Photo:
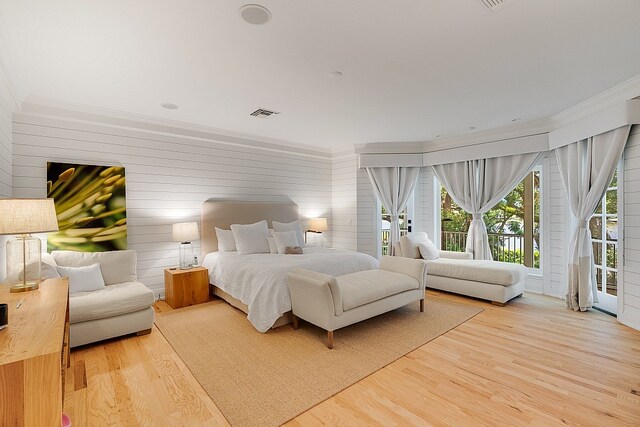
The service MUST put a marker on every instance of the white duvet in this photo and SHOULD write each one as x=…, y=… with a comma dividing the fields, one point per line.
x=260, y=280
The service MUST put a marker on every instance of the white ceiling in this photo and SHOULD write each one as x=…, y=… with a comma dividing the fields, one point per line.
x=412, y=69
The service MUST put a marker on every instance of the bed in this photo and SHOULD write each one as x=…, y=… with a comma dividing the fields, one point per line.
x=257, y=283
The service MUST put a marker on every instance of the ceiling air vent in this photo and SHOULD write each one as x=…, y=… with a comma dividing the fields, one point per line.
x=261, y=112
x=494, y=5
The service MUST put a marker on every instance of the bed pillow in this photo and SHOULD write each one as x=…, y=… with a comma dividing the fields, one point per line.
x=251, y=238
x=291, y=226
x=428, y=250
x=83, y=279
x=226, y=241
x=284, y=239
x=273, y=248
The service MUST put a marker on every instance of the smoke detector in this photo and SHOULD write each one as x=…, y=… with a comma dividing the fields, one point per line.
x=255, y=14
x=494, y=5
x=261, y=112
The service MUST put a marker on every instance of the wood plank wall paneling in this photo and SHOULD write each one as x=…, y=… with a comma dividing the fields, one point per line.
x=557, y=229
x=168, y=177
x=424, y=204
x=7, y=107
x=630, y=313
x=367, y=210
x=344, y=226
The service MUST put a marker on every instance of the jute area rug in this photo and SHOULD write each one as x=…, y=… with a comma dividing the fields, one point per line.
x=267, y=379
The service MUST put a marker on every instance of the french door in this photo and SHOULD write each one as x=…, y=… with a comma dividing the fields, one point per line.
x=605, y=225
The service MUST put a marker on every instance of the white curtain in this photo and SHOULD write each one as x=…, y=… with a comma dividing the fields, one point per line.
x=478, y=185
x=393, y=187
x=587, y=167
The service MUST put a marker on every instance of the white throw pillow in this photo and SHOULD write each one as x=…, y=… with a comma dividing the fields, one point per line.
x=428, y=250
x=83, y=279
x=409, y=244
x=284, y=239
x=251, y=238
x=226, y=242
x=273, y=248
x=291, y=226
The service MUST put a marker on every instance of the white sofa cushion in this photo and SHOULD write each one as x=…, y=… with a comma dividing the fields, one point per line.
x=116, y=266
x=494, y=272
x=284, y=239
x=428, y=250
x=251, y=238
x=83, y=279
x=409, y=244
x=291, y=226
x=226, y=242
x=110, y=301
x=364, y=287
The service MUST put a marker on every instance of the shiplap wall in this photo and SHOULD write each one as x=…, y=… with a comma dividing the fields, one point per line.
x=344, y=225
x=367, y=212
x=629, y=309
x=7, y=107
x=424, y=205
x=168, y=177
x=554, y=229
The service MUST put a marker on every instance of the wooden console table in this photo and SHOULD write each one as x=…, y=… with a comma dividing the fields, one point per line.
x=34, y=355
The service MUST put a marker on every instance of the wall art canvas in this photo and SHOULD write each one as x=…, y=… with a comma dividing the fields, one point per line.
x=91, y=207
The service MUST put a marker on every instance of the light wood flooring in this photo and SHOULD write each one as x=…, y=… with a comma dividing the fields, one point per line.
x=532, y=362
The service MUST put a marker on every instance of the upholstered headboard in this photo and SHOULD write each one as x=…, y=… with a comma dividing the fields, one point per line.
x=223, y=213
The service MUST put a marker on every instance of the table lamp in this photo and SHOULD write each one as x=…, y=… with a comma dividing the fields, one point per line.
x=185, y=233
x=24, y=252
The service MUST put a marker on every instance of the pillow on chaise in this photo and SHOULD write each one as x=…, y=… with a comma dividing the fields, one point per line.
x=251, y=238
x=409, y=244
x=83, y=279
x=428, y=250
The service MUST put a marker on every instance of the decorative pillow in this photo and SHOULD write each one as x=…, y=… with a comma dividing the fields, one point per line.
x=428, y=250
x=251, y=238
x=226, y=242
x=290, y=250
x=291, y=226
x=273, y=248
x=284, y=239
x=83, y=279
x=409, y=244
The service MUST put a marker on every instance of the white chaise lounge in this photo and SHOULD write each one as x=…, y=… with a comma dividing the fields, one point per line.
x=457, y=272
x=335, y=302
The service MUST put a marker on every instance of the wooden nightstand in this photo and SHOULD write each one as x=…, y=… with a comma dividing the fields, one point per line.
x=186, y=287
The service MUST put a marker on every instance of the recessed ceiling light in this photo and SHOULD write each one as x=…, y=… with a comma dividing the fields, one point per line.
x=517, y=119
x=438, y=136
x=471, y=127
x=169, y=106
x=335, y=74
x=255, y=14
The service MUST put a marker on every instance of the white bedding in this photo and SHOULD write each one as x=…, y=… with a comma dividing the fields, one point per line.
x=260, y=280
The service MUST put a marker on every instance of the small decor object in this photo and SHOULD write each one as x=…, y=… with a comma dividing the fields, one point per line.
x=91, y=207
x=291, y=250
x=24, y=252
x=317, y=226
x=185, y=233
x=4, y=316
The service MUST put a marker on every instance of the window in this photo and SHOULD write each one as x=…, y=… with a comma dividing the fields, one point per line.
x=604, y=238
x=385, y=225
x=513, y=224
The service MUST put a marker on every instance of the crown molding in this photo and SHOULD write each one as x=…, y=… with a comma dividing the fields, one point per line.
x=40, y=106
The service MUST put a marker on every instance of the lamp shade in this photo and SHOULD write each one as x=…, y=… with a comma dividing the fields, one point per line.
x=26, y=216
x=185, y=232
x=318, y=224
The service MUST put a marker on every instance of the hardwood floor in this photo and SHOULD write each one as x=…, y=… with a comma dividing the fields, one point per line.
x=532, y=362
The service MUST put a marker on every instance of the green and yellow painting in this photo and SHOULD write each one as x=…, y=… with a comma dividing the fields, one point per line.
x=90, y=205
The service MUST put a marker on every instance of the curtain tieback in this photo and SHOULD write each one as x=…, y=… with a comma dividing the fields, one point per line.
x=583, y=223
x=395, y=218
x=476, y=216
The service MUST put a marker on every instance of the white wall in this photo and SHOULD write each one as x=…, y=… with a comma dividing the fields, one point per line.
x=344, y=225
x=629, y=307
x=7, y=107
x=169, y=175
x=425, y=210
x=367, y=212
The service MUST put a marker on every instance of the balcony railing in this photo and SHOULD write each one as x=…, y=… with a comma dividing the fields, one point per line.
x=385, y=240
x=504, y=247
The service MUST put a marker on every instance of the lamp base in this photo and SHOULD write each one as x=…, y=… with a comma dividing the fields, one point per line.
x=24, y=287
